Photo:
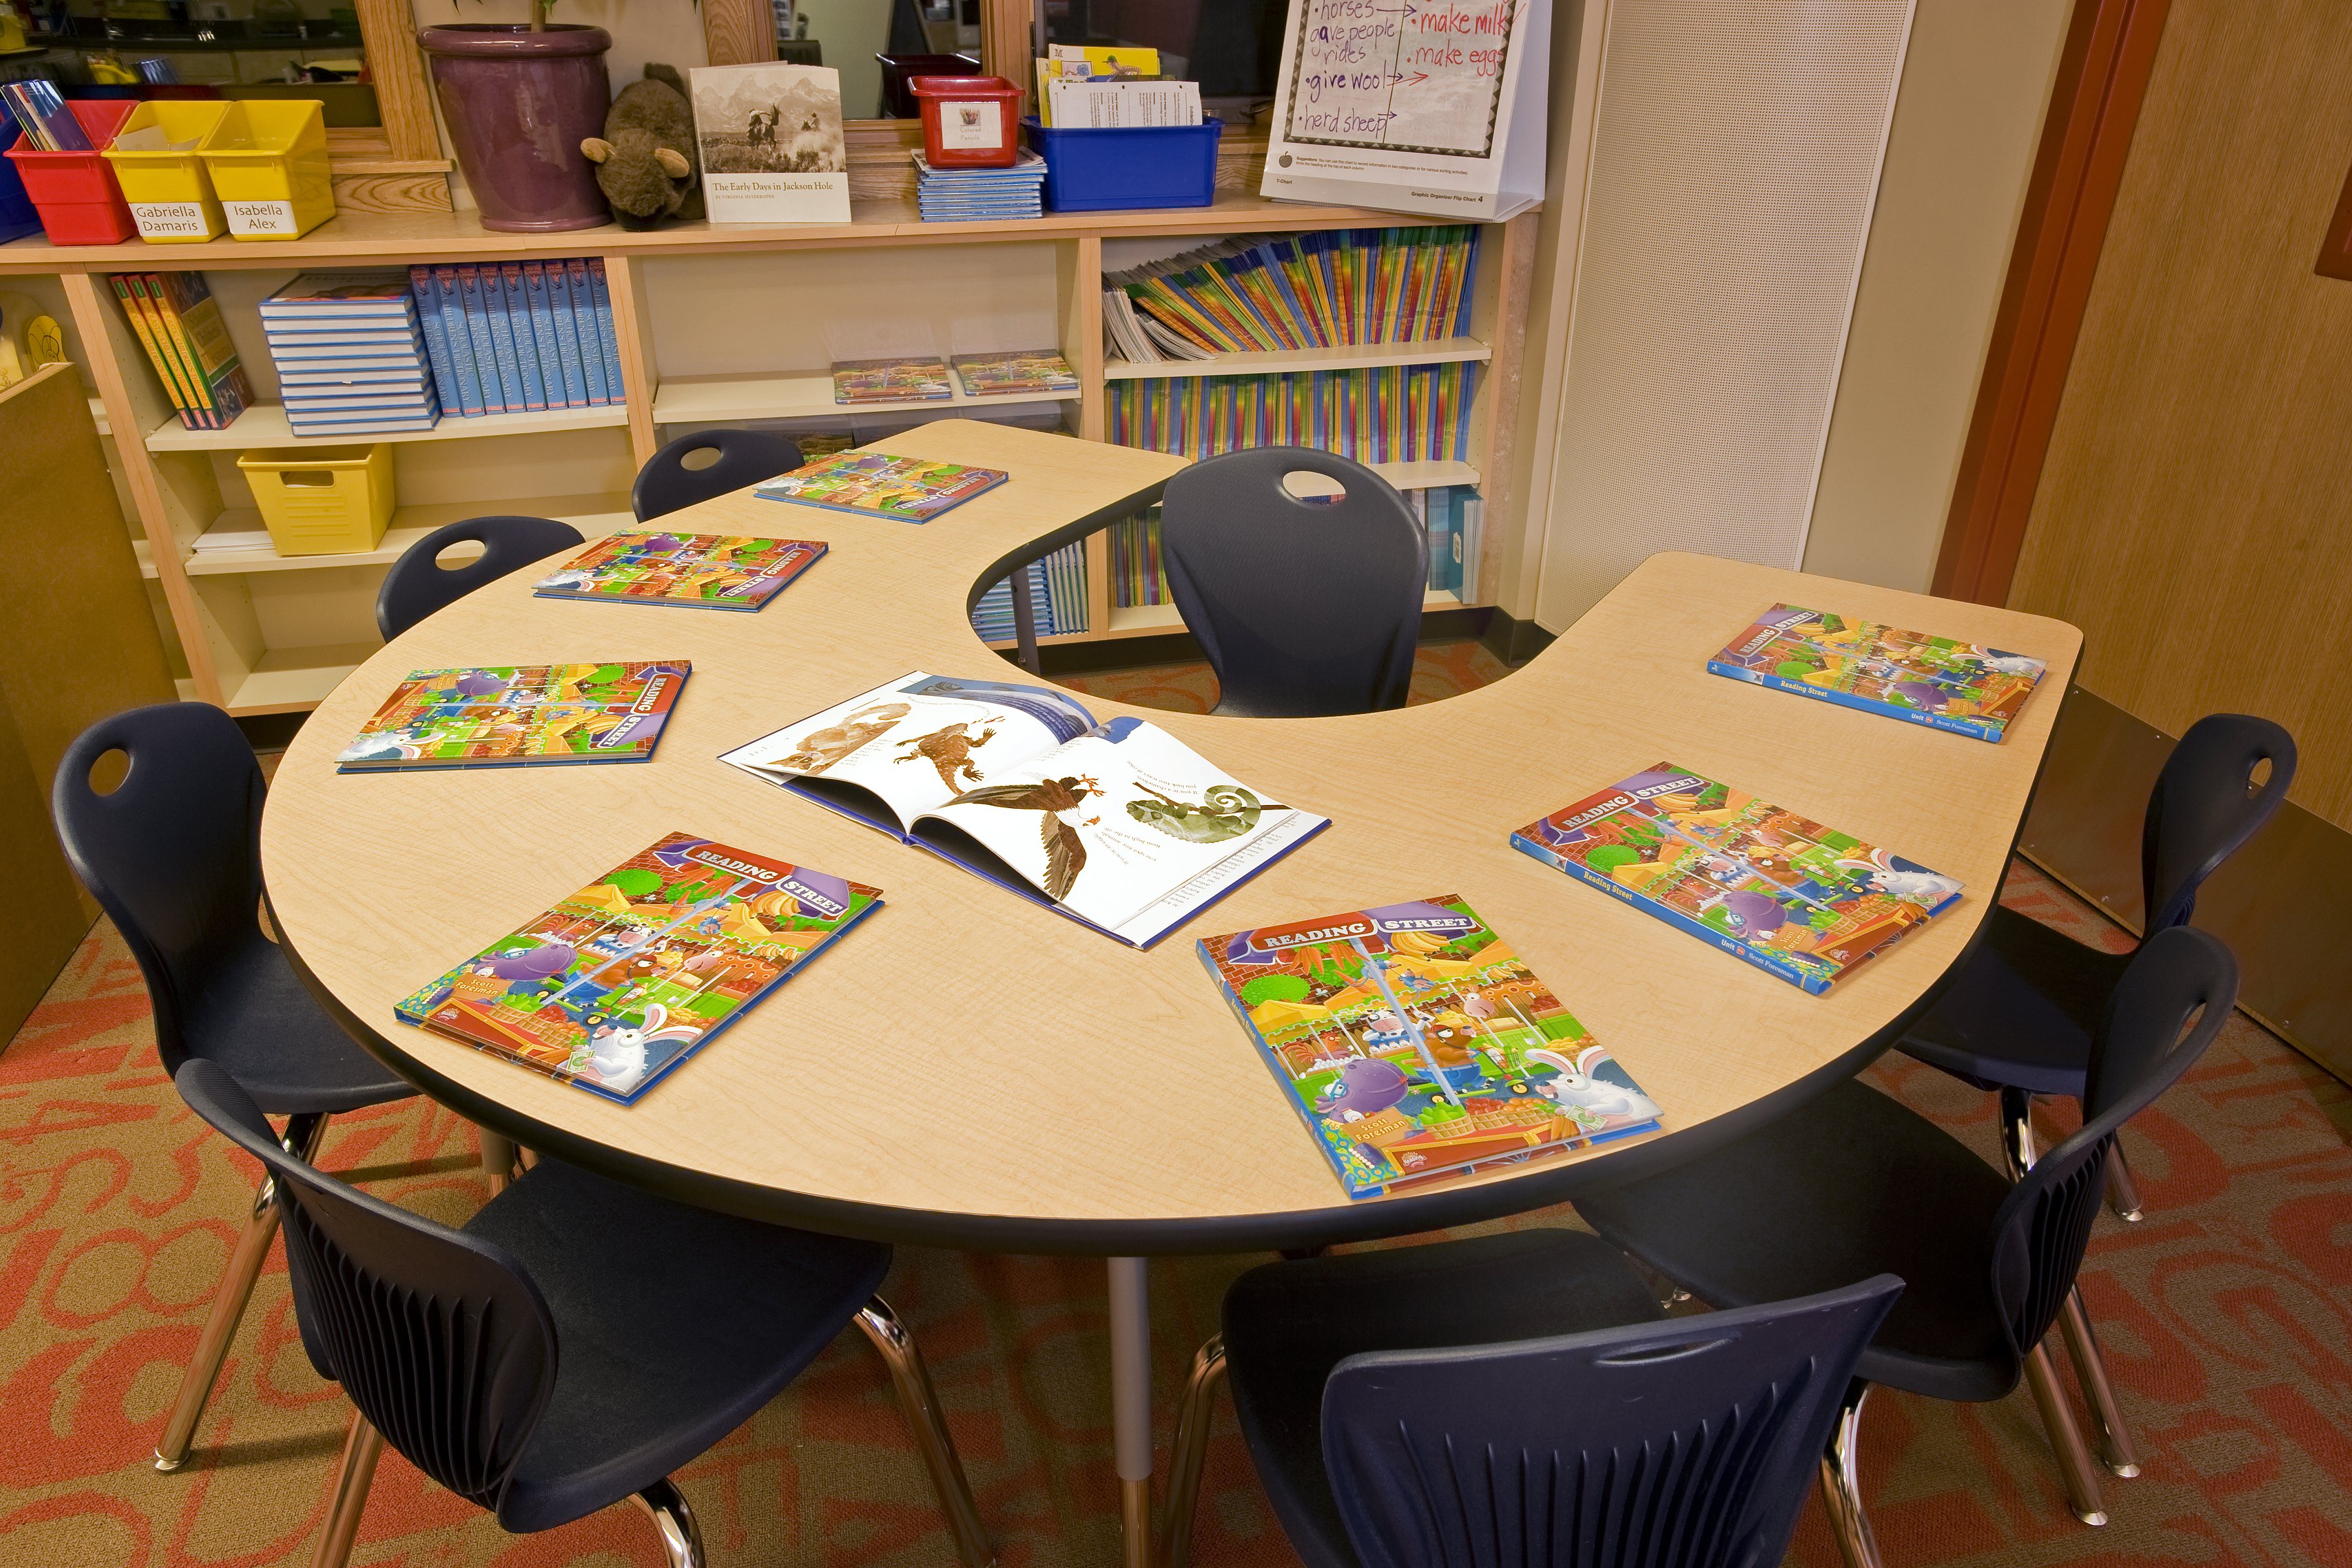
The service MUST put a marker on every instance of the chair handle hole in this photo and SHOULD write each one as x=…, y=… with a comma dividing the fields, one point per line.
x=2257, y=776
x=108, y=770
x=701, y=457
x=1315, y=489
x=457, y=553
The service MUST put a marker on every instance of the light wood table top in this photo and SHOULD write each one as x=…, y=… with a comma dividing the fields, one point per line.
x=967, y=1069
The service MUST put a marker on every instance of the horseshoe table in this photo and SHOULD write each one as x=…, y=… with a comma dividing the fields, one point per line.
x=1049, y=1090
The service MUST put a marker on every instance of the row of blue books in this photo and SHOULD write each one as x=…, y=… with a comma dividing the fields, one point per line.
x=1057, y=597
x=961, y=196
x=519, y=336
x=350, y=357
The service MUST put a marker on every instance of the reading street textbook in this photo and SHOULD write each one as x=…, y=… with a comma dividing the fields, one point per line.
x=699, y=570
x=624, y=979
x=1787, y=894
x=1119, y=827
x=1955, y=686
x=876, y=484
x=518, y=715
x=1415, y=1042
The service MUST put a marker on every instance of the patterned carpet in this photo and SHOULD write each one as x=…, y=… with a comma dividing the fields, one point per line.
x=2227, y=1317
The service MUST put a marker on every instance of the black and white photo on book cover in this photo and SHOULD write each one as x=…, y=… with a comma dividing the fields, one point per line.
x=1436, y=108
x=772, y=150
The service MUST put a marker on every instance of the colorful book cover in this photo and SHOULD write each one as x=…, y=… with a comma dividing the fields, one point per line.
x=1415, y=1043
x=518, y=715
x=702, y=571
x=875, y=484
x=192, y=321
x=1937, y=682
x=476, y=306
x=921, y=380
x=340, y=296
x=132, y=292
x=997, y=376
x=610, y=345
x=585, y=323
x=147, y=289
x=526, y=336
x=1804, y=901
x=621, y=981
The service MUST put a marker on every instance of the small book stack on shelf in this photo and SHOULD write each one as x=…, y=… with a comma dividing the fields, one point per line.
x=1057, y=598
x=1029, y=373
x=519, y=336
x=349, y=355
x=920, y=378
x=966, y=196
x=178, y=322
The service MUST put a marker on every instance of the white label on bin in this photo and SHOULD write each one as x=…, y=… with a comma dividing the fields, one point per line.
x=259, y=217
x=170, y=220
x=977, y=123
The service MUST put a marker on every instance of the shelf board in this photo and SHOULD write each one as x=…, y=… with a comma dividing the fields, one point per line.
x=295, y=679
x=696, y=399
x=264, y=424
x=1446, y=351
x=1153, y=620
x=596, y=513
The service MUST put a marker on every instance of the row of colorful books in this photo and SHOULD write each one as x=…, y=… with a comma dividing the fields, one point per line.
x=515, y=337
x=924, y=378
x=1381, y=414
x=176, y=320
x=1343, y=287
x=1057, y=598
x=349, y=355
x=1450, y=512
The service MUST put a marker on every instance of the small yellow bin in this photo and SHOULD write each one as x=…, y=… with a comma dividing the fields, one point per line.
x=169, y=191
x=336, y=501
x=268, y=158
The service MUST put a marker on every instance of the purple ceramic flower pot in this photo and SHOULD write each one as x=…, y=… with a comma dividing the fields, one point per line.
x=517, y=104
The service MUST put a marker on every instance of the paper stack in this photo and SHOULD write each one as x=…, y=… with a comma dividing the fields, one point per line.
x=964, y=195
x=349, y=354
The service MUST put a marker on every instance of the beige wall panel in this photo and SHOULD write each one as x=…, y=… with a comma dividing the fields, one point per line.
x=2194, y=514
x=1967, y=119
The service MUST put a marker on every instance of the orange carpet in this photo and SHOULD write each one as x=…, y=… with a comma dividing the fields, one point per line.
x=2227, y=1317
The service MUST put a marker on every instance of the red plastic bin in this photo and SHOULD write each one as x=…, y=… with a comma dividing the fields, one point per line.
x=74, y=193
x=969, y=121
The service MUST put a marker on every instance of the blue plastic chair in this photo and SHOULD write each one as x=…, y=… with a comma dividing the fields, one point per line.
x=573, y=1345
x=1520, y=1401
x=1853, y=1183
x=666, y=484
x=417, y=584
x=174, y=856
x=1302, y=607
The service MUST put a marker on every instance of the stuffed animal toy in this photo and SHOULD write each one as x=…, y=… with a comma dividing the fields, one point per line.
x=647, y=163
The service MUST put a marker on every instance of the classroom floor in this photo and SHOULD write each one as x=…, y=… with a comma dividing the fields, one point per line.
x=2226, y=1316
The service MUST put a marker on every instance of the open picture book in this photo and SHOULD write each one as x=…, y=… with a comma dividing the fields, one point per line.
x=1121, y=826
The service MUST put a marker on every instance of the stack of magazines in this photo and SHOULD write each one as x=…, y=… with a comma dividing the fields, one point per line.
x=1057, y=597
x=178, y=322
x=350, y=354
x=964, y=195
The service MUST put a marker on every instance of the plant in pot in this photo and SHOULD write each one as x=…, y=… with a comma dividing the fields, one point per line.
x=518, y=98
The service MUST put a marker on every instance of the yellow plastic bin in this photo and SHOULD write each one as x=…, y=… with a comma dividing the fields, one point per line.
x=162, y=172
x=336, y=501
x=268, y=157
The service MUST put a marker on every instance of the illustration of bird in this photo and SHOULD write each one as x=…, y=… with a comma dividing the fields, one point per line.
x=1066, y=857
x=949, y=750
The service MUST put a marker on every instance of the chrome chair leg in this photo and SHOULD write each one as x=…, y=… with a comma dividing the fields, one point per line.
x=920, y=1402
x=1842, y=1483
x=2075, y=1467
x=681, y=1538
x=2018, y=1149
x=245, y=1259
x=353, y=1476
x=2115, y=1449
x=1193, y=1416
x=2123, y=1192
x=498, y=1159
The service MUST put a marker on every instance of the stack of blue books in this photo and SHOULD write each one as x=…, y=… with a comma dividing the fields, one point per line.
x=1057, y=597
x=349, y=354
x=962, y=195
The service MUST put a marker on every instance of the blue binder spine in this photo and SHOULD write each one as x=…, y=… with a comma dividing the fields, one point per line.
x=485, y=318
x=546, y=280
x=465, y=379
x=437, y=337
x=582, y=320
x=605, y=340
x=543, y=336
x=526, y=345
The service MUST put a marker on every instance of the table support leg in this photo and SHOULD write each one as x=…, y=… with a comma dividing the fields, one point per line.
x=1025, y=623
x=1130, y=1404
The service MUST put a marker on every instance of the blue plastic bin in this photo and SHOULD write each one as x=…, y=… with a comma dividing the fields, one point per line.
x=17, y=218
x=1148, y=166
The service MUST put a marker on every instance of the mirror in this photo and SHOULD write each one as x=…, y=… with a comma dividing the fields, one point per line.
x=920, y=36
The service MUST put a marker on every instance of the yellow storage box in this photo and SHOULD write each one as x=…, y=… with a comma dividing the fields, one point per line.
x=157, y=163
x=268, y=157
x=336, y=501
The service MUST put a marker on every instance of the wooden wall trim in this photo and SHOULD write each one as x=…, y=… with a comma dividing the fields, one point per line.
x=738, y=32
x=2094, y=105
x=397, y=66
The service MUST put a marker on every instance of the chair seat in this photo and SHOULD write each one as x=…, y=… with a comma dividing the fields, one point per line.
x=258, y=1022
x=2023, y=1010
x=1849, y=1185
x=673, y=1325
x=1288, y=1324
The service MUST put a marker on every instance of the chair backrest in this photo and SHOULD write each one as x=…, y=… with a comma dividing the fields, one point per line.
x=417, y=584
x=745, y=458
x=2205, y=805
x=441, y=1340
x=1683, y=1444
x=174, y=853
x=1303, y=607
x=2145, y=1042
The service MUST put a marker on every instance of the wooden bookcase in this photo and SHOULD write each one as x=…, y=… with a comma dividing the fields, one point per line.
x=715, y=325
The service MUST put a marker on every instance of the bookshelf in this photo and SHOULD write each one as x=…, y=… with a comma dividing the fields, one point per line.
x=715, y=326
